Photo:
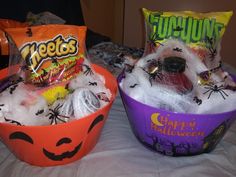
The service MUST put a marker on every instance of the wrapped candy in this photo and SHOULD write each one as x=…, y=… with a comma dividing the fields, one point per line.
x=52, y=78
x=88, y=94
x=178, y=98
x=181, y=69
x=179, y=82
x=24, y=104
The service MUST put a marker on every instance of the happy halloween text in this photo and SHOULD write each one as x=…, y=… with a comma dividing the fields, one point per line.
x=35, y=53
x=170, y=127
x=188, y=29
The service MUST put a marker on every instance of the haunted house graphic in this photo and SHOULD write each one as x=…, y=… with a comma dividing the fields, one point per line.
x=210, y=141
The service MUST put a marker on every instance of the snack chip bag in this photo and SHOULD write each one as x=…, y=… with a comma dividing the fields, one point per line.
x=7, y=23
x=49, y=53
x=202, y=32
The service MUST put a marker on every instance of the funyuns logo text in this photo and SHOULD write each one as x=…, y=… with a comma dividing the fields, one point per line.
x=188, y=29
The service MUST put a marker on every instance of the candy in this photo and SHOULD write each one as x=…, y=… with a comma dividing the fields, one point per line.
x=179, y=82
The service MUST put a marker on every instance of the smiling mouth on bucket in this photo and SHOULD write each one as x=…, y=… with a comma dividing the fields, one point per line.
x=67, y=154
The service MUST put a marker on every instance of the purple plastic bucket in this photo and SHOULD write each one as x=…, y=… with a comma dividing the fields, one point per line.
x=175, y=134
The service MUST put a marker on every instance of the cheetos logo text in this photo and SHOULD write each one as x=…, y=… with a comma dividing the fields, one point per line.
x=34, y=53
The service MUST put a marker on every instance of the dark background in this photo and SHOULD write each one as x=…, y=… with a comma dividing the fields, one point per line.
x=68, y=10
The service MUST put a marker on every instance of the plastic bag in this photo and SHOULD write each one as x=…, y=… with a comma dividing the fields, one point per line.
x=43, y=18
x=54, y=58
x=7, y=23
x=49, y=53
x=179, y=81
x=202, y=32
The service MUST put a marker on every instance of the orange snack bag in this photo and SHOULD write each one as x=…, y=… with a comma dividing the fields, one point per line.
x=50, y=53
x=7, y=23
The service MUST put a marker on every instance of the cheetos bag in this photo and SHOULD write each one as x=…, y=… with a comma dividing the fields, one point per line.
x=48, y=53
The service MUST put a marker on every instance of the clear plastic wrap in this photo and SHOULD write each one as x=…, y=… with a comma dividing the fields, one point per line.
x=50, y=77
x=180, y=81
x=201, y=32
x=7, y=23
x=50, y=53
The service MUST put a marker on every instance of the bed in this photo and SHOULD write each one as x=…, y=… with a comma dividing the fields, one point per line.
x=119, y=154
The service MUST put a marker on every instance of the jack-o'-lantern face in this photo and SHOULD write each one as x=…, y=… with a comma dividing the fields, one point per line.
x=67, y=154
x=53, y=147
x=58, y=144
x=65, y=140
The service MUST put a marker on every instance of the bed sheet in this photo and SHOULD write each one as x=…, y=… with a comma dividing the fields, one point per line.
x=119, y=154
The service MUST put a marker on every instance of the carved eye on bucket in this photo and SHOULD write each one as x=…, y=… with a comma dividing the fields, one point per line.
x=21, y=136
x=63, y=141
x=95, y=122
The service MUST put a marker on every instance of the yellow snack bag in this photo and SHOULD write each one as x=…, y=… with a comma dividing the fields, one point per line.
x=50, y=53
x=202, y=32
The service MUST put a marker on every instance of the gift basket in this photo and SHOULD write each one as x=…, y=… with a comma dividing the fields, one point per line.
x=178, y=98
x=53, y=101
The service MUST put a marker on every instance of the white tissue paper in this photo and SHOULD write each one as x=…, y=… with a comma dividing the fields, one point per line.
x=88, y=95
x=213, y=90
x=21, y=106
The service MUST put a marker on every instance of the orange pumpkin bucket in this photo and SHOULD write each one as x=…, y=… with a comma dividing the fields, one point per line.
x=58, y=144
